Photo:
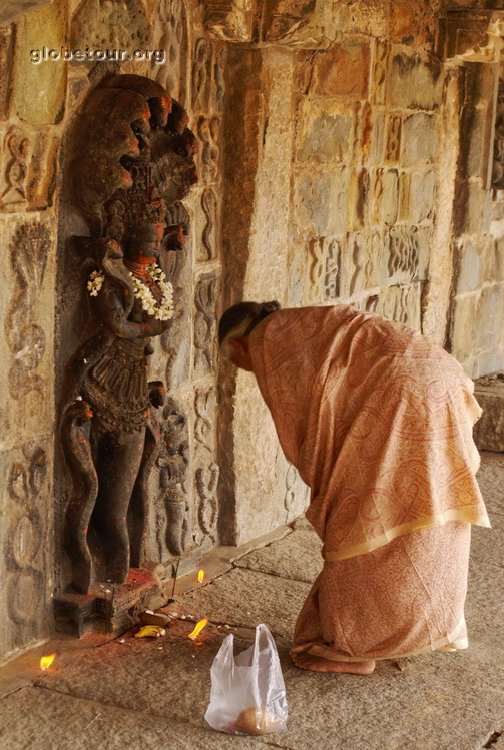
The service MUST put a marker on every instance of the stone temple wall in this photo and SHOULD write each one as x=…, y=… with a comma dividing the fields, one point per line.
x=343, y=156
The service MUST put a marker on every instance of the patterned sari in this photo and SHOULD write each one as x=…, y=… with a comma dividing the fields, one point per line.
x=378, y=421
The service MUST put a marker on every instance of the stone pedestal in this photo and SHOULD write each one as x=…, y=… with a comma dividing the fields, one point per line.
x=108, y=608
x=489, y=430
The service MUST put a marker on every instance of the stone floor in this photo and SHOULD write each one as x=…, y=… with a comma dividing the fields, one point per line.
x=143, y=694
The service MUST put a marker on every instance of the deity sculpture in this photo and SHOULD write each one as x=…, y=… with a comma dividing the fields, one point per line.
x=172, y=460
x=134, y=160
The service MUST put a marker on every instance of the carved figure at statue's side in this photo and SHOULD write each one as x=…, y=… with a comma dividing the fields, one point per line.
x=135, y=161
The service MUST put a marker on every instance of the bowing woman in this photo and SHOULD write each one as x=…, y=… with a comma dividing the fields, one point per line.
x=378, y=421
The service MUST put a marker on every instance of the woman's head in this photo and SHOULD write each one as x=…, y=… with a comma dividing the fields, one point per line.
x=238, y=321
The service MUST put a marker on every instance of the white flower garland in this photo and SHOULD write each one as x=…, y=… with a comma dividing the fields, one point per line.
x=163, y=310
x=95, y=281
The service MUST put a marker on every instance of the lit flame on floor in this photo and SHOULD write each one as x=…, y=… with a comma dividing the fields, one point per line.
x=198, y=628
x=46, y=661
x=201, y=575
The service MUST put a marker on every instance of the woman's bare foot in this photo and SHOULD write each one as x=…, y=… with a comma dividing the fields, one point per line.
x=319, y=664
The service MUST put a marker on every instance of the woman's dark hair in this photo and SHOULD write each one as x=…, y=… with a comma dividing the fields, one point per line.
x=238, y=320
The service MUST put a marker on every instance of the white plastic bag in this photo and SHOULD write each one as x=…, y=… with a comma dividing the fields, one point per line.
x=248, y=691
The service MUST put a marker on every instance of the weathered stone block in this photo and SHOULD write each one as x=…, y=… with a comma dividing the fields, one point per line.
x=342, y=71
x=378, y=135
x=473, y=145
x=7, y=39
x=403, y=22
x=40, y=88
x=420, y=140
x=421, y=201
x=102, y=26
x=231, y=20
x=385, y=191
x=415, y=81
x=401, y=303
x=323, y=136
x=475, y=257
x=12, y=9
x=475, y=200
x=489, y=429
x=464, y=326
x=490, y=318
x=321, y=201
x=498, y=261
x=489, y=361
x=393, y=146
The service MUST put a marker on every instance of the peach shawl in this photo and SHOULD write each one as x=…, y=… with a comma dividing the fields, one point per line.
x=376, y=418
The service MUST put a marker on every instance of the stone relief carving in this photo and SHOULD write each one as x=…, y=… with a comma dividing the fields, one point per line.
x=207, y=248
x=332, y=270
x=174, y=534
x=201, y=75
x=219, y=64
x=138, y=165
x=208, y=133
x=204, y=408
x=398, y=302
x=357, y=263
x=29, y=251
x=290, y=482
x=315, y=268
x=16, y=170
x=205, y=298
x=30, y=170
x=324, y=269
x=205, y=481
x=25, y=542
x=377, y=191
x=498, y=148
x=173, y=39
x=380, y=72
x=403, y=251
x=363, y=191
x=295, y=489
x=393, y=148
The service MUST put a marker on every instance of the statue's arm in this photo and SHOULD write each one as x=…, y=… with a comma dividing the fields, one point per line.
x=109, y=308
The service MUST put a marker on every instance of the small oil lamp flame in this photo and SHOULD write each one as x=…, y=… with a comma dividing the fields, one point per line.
x=198, y=628
x=201, y=575
x=46, y=661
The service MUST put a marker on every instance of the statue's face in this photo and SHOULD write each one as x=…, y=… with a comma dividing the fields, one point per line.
x=144, y=242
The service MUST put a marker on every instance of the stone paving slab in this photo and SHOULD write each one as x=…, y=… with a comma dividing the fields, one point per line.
x=38, y=719
x=296, y=557
x=434, y=702
x=247, y=598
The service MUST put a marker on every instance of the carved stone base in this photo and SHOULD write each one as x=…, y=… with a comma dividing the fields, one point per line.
x=108, y=608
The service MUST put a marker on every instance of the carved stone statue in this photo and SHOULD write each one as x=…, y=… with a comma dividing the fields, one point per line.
x=172, y=462
x=133, y=162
